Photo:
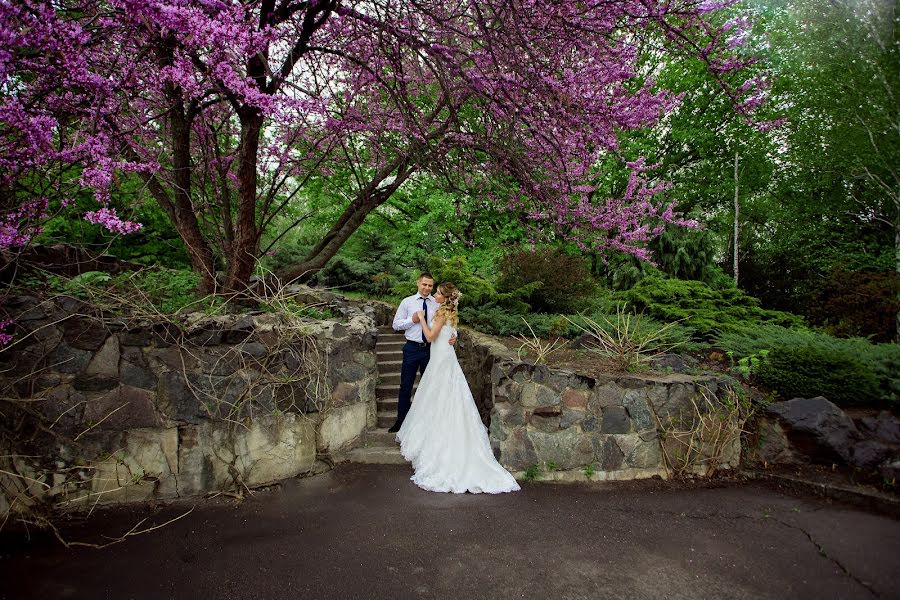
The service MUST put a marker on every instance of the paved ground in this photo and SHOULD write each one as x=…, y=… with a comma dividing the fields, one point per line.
x=365, y=531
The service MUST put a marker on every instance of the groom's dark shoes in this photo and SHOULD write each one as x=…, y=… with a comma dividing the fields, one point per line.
x=395, y=427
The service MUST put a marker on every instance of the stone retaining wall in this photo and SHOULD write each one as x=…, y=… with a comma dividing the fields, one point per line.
x=126, y=411
x=569, y=426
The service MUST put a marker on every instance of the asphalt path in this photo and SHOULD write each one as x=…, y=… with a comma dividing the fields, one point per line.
x=365, y=531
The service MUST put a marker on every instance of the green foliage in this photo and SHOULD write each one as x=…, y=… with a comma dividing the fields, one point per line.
x=496, y=321
x=748, y=365
x=701, y=307
x=367, y=265
x=589, y=470
x=477, y=291
x=170, y=290
x=297, y=309
x=531, y=473
x=629, y=339
x=807, y=363
x=79, y=285
x=806, y=371
x=564, y=283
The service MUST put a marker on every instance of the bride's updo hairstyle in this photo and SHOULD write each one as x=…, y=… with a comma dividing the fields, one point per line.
x=450, y=306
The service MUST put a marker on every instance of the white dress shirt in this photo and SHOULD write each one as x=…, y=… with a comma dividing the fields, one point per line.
x=408, y=307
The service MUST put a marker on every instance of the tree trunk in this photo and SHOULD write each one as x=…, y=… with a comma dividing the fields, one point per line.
x=179, y=207
x=339, y=233
x=245, y=249
x=366, y=200
x=183, y=210
x=897, y=267
x=737, y=214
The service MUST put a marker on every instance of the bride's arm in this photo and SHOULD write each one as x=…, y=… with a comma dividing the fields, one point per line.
x=432, y=332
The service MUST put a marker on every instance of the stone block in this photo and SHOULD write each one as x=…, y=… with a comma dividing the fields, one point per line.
x=92, y=383
x=591, y=424
x=817, y=428
x=67, y=359
x=106, y=360
x=366, y=359
x=85, y=333
x=636, y=404
x=639, y=454
x=678, y=404
x=340, y=427
x=574, y=398
x=124, y=407
x=253, y=349
x=344, y=393
x=177, y=400
x=608, y=394
x=174, y=358
x=606, y=453
x=517, y=451
x=136, y=375
x=545, y=423
x=615, y=420
x=139, y=336
x=884, y=426
x=276, y=448
x=570, y=418
x=153, y=451
x=535, y=394
x=566, y=449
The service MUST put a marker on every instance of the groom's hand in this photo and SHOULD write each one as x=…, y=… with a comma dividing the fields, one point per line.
x=453, y=341
x=415, y=317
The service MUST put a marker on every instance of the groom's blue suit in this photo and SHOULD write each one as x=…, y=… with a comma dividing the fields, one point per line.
x=416, y=351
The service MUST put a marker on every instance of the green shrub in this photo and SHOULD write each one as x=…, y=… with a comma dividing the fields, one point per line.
x=477, y=291
x=788, y=348
x=496, y=321
x=702, y=308
x=565, y=284
x=806, y=371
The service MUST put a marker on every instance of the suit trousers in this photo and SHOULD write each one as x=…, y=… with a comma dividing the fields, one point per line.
x=415, y=359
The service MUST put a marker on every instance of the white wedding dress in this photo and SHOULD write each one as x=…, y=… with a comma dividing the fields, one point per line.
x=443, y=436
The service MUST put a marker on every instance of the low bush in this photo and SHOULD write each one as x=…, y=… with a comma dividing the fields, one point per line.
x=708, y=311
x=807, y=363
x=806, y=371
x=477, y=291
x=496, y=321
x=564, y=283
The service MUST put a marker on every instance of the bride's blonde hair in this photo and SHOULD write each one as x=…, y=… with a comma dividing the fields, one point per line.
x=450, y=306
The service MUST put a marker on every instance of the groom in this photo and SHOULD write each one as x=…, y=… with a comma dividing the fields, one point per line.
x=417, y=349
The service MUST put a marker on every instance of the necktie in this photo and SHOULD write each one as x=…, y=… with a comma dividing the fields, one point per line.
x=425, y=308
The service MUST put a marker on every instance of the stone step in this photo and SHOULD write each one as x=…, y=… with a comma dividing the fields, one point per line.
x=377, y=455
x=390, y=364
x=387, y=404
x=386, y=418
x=389, y=392
x=391, y=346
x=386, y=329
x=380, y=437
x=390, y=378
x=389, y=355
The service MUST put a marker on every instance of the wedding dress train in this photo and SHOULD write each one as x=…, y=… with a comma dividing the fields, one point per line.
x=443, y=436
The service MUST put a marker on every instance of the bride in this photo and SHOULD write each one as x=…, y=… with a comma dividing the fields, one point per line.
x=443, y=436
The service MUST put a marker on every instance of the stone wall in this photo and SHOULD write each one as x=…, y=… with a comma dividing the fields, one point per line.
x=570, y=426
x=124, y=410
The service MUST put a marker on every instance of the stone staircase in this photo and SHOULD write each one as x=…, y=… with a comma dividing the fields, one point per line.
x=379, y=446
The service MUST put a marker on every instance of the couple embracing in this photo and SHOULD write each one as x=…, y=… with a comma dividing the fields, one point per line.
x=440, y=431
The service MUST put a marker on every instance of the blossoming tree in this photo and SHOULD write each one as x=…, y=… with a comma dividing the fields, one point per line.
x=226, y=109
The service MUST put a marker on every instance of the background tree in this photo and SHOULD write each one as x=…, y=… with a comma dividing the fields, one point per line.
x=227, y=111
